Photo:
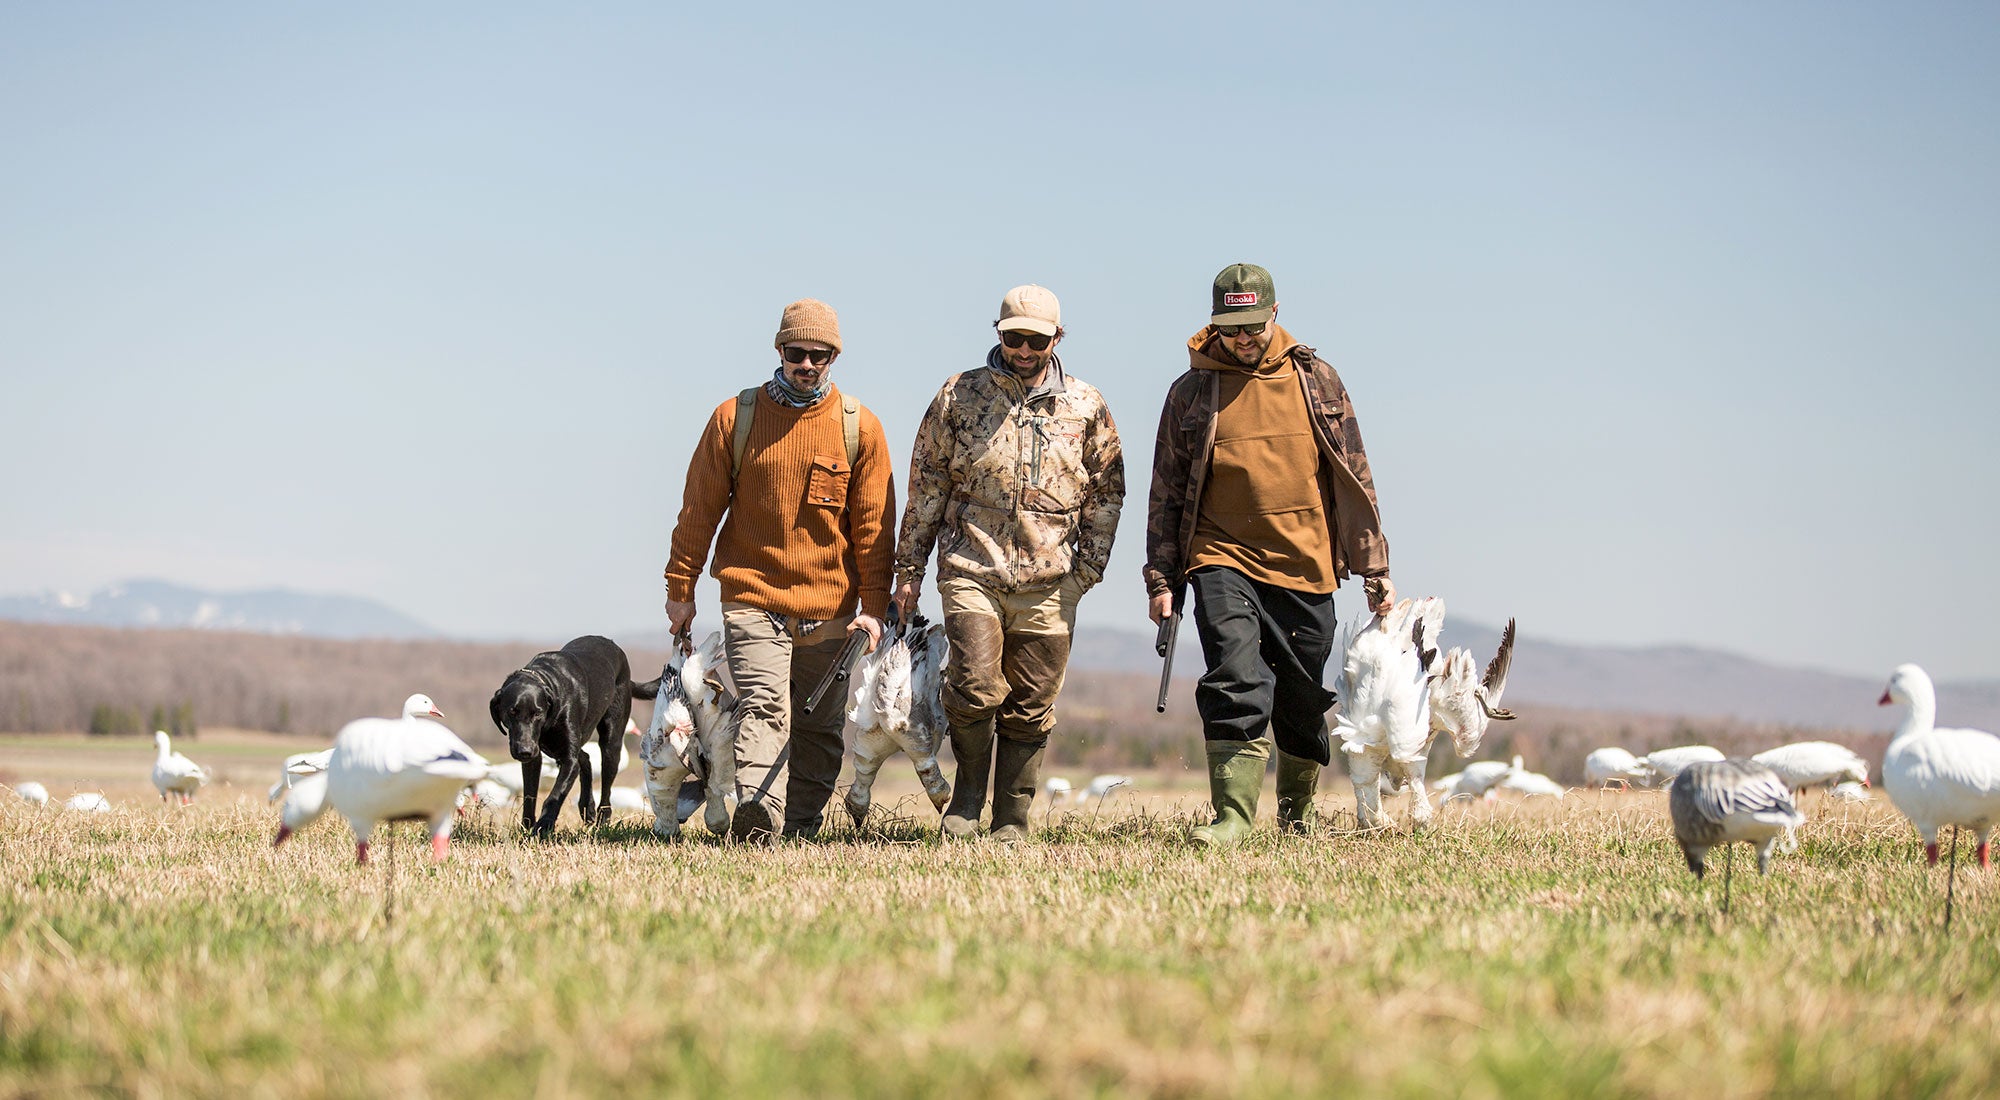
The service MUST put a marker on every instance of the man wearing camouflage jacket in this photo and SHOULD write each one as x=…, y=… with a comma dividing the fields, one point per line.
x=1263, y=502
x=1017, y=479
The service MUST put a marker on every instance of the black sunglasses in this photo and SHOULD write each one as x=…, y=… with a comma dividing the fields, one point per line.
x=1231, y=330
x=1014, y=338
x=820, y=356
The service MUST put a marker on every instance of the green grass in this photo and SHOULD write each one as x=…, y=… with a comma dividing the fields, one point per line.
x=1507, y=952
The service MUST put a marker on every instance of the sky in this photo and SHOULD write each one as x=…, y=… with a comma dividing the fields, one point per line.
x=1664, y=323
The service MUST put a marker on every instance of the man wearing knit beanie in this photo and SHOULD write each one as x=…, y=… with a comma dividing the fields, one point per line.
x=797, y=477
x=1016, y=479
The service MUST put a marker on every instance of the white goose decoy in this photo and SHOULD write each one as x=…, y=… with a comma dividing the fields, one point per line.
x=1664, y=764
x=1722, y=801
x=1481, y=776
x=33, y=793
x=388, y=769
x=89, y=802
x=1939, y=777
x=896, y=705
x=1531, y=784
x=174, y=774
x=1056, y=789
x=628, y=799
x=1101, y=786
x=301, y=764
x=1384, y=717
x=1806, y=764
x=1612, y=764
x=1849, y=792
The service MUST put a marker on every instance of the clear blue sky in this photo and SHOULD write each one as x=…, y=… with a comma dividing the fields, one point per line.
x=1667, y=322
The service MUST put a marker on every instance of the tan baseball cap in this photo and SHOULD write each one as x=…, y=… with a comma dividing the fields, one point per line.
x=1030, y=308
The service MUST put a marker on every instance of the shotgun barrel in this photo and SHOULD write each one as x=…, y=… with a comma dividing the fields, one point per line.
x=842, y=665
x=1170, y=629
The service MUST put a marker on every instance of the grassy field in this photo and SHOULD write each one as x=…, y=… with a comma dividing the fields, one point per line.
x=1512, y=950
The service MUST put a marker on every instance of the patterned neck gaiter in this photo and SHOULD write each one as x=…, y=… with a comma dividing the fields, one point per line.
x=784, y=393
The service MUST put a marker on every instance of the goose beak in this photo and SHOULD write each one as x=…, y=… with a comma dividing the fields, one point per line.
x=1885, y=700
x=435, y=713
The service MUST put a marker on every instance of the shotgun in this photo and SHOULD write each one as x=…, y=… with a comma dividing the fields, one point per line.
x=1170, y=629
x=837, y=674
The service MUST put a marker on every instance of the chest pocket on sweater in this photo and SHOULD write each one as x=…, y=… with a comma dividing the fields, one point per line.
x=826, y=484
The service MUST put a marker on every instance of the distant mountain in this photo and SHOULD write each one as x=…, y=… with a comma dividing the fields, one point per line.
x=1668, y=680
x=154, y=603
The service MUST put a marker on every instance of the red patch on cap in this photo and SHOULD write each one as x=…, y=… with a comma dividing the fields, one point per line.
x=1245, y=298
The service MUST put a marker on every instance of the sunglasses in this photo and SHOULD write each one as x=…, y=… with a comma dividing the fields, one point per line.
x=1231, y=330
x=1014, y=338
x=819, y=356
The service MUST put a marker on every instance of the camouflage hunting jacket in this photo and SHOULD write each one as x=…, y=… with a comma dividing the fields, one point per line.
x=1186, y=441
x=1015, y=489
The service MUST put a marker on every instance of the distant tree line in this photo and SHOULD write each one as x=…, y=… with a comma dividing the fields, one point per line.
x=177, y=720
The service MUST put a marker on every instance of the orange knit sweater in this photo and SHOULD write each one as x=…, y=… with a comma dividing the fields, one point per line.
x=804, y=535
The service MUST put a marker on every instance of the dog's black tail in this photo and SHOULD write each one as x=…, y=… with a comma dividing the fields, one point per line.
x=646, y=690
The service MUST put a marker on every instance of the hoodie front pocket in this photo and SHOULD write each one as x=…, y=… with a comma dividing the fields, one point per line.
x=826, y=484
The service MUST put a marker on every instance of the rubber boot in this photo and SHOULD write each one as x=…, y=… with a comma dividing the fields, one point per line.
x=1235, y=777
x=1298, y=779
x=1017, y=775
x=973, y=748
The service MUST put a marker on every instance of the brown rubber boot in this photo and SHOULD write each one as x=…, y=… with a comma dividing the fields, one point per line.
x=973, y=748
x=1017, y=775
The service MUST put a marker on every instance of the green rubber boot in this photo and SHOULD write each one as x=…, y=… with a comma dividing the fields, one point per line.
x=1298, y=779
x=1235, y=777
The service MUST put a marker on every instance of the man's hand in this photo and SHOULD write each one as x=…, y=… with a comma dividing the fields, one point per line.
x=1381, y=593
x=1159, y=607
x=906, y=598
x=680, y=616
x=872, y=625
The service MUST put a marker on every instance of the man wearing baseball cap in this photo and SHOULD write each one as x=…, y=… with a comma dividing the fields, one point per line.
x=1262, y=501
x=1016, y=479
x=798, y=476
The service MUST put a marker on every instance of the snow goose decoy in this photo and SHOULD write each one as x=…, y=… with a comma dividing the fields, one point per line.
x=1612, y=764
x=1807, y=764
x=89, y=802
x=173, y=774
x=1723, y=801
x=389, y=769
x=33, y=793
x=301, y=764
x=1939, y=777
x=1664, y=764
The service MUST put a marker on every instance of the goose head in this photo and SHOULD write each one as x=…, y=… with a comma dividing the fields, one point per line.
x=1908, y=685
x=420, y=706
x=161, y=742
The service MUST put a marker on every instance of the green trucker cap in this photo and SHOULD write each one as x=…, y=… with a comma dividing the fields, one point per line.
x=1243, y=295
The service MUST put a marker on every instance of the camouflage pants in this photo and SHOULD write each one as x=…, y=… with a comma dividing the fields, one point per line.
x=1009, y=653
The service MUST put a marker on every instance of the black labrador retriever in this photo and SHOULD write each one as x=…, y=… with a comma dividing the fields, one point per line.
x=551, y=706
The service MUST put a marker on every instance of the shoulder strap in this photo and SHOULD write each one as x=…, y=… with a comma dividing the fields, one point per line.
x=746, y=414
x=850, y=428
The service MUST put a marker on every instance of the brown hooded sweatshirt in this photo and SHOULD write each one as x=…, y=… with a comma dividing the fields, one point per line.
x=1261, y=511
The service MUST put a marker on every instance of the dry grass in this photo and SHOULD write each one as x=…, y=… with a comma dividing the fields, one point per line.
x=1540, y=950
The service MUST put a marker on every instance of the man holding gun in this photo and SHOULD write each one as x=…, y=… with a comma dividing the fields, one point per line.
x=1262, y=501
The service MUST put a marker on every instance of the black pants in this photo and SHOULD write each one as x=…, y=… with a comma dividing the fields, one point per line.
x=1266, y=648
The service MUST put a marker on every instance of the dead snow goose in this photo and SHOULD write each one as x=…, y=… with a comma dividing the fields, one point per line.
x=1384, y=715
x=895, y=705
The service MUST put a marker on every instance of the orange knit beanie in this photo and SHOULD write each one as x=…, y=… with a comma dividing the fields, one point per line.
x=809, y=319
